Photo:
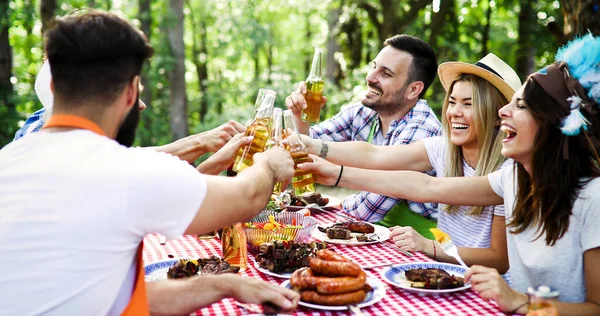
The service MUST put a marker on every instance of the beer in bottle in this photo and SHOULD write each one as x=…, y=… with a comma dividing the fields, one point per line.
x=259, y=127
x=314, y=90
x=303, y=181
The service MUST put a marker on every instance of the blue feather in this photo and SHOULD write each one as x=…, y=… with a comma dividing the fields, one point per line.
x=583, y=57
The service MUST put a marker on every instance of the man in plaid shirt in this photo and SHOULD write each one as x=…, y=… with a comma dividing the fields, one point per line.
x=391, y=113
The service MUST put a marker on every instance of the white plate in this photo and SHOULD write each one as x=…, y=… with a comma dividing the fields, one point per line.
x=372, y=297
x=381, y=231
x=394, y=275
x=158, y=270
x=271, y=273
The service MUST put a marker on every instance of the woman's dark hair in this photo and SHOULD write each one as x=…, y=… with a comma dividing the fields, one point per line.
x=93, y=55
x=424, y=64
x=545, y=197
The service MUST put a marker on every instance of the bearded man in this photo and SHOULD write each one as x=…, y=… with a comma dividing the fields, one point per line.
x=392, y=112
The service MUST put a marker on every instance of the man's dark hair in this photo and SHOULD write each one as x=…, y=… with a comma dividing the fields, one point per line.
x=93, y=55
x=424, y=65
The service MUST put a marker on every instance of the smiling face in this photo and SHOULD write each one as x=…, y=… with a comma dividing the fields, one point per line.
x=520, y=128
x=459, y=114
x=386, y=81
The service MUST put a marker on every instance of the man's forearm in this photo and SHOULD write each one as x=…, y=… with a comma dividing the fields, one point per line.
x=188, y=148
x=182, y=297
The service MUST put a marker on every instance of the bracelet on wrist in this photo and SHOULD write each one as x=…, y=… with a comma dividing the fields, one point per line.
x=324, y=149
x=522, y=305
x=340, y=176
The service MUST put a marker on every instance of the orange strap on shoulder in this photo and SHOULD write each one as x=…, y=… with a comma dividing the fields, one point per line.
x=74, y=121
x=138, y=304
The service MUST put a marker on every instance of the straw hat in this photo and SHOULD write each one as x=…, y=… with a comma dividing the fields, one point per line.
x=490, y=68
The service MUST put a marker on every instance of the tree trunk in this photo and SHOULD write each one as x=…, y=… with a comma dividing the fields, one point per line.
x=308, y=39
x=269, y=53
x=256, y=58
x=526, y=42
x=91, y=3
x=28, y=22
x=579, y=17
x=354, y=43
x=198, y=50
x=6, y=88
x=47, y=11
x=486, y=31
x=333, y=71
x=145, y=17
x=392, y=23
x=178, y=107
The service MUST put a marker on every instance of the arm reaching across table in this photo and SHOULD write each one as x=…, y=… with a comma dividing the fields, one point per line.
x=409, y=185
x=178, y=297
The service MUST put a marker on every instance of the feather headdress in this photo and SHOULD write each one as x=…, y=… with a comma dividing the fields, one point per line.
x=573, y=82
x=582, y=57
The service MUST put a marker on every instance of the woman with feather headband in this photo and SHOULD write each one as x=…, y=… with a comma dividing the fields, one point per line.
x=551, y=195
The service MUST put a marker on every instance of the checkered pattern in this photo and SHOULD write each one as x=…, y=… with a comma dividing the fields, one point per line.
x=354, y=123
x=395, y=302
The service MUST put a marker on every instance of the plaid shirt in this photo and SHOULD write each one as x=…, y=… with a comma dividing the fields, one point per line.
x=354, y=123
x=33, y=124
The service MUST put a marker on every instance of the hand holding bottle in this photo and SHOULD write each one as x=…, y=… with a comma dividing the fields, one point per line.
x=279, y=162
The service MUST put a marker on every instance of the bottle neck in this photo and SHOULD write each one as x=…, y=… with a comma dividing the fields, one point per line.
x=315, y=68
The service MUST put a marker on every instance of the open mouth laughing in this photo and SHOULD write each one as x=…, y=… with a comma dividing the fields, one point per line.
x=511, y=133
x=459, y=127
x=374, y=92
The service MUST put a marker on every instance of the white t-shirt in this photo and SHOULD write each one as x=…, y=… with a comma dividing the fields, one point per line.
x=532, y=263
x=465, y=230
x=74, y=208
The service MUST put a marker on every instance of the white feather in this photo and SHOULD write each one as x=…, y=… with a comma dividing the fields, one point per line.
x=572, y=124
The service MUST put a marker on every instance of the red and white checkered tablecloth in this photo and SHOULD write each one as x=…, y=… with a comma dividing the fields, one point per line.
x=395, y=302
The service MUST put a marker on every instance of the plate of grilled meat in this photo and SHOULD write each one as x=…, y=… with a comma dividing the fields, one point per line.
x=426, y=277
x=185, y=268
x=333, y=282
x=352, y=233
x=281, y=258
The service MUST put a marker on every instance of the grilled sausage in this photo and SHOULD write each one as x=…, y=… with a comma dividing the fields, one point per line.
x=333, y=299
x=303, y=279
x=330, y=255
x=341, y=284
x=333, y=268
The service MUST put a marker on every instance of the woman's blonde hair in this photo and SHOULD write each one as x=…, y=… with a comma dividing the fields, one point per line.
x=487, y=100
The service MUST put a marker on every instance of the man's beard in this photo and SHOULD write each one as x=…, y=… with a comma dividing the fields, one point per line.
x=126, y=134
x=386, y=108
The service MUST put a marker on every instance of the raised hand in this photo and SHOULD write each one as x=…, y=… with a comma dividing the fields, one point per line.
x=217, y=137
x=225, y=156
x=296, y=102
x=280, y=162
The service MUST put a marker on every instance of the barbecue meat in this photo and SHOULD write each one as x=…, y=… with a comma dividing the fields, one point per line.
x=286, y=256
x=433, y=279
x=213, y=265
x=356, y=227
x=338, y=233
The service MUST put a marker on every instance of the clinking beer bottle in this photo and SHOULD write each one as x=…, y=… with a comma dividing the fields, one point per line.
x=314, y=90
x=275, y=140
x=303, y=181
x=260, y=128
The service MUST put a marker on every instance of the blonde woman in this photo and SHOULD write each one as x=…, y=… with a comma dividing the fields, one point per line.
x=470, y=146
